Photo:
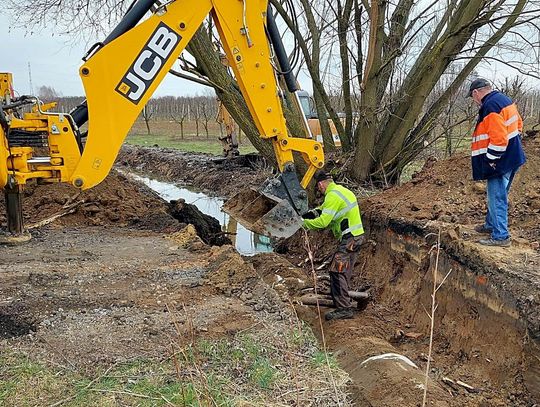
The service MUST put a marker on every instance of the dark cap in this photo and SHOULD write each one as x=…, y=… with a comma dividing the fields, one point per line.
x=477, y=84
x=321, y=175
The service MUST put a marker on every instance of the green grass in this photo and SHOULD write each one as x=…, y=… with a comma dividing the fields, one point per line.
x=320, y=359
x=254, y=368
x=195, y=145
x=262, y=373
x=26, y=382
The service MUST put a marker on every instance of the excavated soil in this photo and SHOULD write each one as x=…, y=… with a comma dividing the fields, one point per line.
x=120, y=273
x=116, y=201
x=443, y=192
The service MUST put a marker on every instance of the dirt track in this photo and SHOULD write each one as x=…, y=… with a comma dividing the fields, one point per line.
x=104, y=282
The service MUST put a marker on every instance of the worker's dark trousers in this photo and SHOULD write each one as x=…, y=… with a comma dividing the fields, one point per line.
x=341, y=270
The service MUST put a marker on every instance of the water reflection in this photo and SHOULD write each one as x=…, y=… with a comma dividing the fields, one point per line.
x=245, y=241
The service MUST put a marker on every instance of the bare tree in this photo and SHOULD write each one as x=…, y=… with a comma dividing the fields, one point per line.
x=47, y=93
x=180, y=114
x=195, y=109
x=400, y=52
x=208, y=113
x=147, y=115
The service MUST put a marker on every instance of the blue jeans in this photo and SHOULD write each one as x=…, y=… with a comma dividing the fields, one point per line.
x=497, y=203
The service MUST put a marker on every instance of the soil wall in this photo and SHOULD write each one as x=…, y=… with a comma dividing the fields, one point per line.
x=484, y=333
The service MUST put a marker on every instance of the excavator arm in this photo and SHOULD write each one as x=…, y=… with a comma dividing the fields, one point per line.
x=121, y=74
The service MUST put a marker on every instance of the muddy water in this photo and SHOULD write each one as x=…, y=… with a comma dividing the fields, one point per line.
x=245, y=241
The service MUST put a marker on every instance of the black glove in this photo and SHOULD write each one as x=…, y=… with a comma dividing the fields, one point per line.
x=312, y=214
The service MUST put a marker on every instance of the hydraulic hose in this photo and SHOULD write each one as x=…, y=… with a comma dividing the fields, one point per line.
x=279, y=50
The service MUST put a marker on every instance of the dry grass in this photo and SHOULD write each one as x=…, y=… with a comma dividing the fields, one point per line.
x=270, y=364
x=265, y=365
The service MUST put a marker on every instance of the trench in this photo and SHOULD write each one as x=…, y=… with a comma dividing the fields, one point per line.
x=486, y=335
x=483, y=335
x=246, y=242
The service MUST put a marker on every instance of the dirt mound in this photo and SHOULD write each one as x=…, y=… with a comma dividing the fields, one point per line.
x=116, y=201
x=207, y=227
x=218, y=177
x=443, y=191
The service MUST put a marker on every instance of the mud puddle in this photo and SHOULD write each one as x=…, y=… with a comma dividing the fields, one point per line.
x=246, y=242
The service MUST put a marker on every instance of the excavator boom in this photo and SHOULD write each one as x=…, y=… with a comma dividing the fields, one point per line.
x=121, y=74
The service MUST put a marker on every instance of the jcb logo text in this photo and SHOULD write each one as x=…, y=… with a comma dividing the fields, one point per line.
x=148, y=64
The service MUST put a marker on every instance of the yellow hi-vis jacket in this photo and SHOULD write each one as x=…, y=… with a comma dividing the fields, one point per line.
x=340, y=211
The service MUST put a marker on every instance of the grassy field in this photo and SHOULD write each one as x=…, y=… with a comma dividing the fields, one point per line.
x=248, y=369
x=167, y=134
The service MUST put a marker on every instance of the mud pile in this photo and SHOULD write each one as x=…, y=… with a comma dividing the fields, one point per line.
x=117, y=201
x=207, y=227
x=443, y=192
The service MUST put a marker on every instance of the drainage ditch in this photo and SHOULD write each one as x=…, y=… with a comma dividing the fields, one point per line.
x=246, y=242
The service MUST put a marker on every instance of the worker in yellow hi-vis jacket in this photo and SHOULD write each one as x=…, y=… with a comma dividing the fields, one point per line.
x=340, y=212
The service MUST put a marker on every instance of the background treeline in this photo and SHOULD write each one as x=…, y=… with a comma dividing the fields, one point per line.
x=196, y=115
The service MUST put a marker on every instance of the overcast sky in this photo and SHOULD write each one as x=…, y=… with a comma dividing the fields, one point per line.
x=54, y=62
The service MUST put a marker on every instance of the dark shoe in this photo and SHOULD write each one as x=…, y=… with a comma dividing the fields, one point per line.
x=493, y=242
x=340, y=313
x=483, y=230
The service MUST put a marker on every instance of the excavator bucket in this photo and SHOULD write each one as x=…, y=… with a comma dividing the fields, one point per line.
x=273, y=210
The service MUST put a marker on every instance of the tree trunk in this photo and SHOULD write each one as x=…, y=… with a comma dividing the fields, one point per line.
x=344, y=15
x=366, y=134
x=322, y=116
x=228, y=92
x=146, y=118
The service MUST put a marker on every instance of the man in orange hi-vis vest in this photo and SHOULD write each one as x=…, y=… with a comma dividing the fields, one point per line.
x=497, y=154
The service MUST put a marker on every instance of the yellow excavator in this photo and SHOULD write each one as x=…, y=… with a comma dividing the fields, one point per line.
x=121, y=73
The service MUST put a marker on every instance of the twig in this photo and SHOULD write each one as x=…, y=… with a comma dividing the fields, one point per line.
x=53, y=350
x=431, y=316
x=143, y=396
x=166, y=400
x=293, y=361
x=70, y=209
x=175, y=359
